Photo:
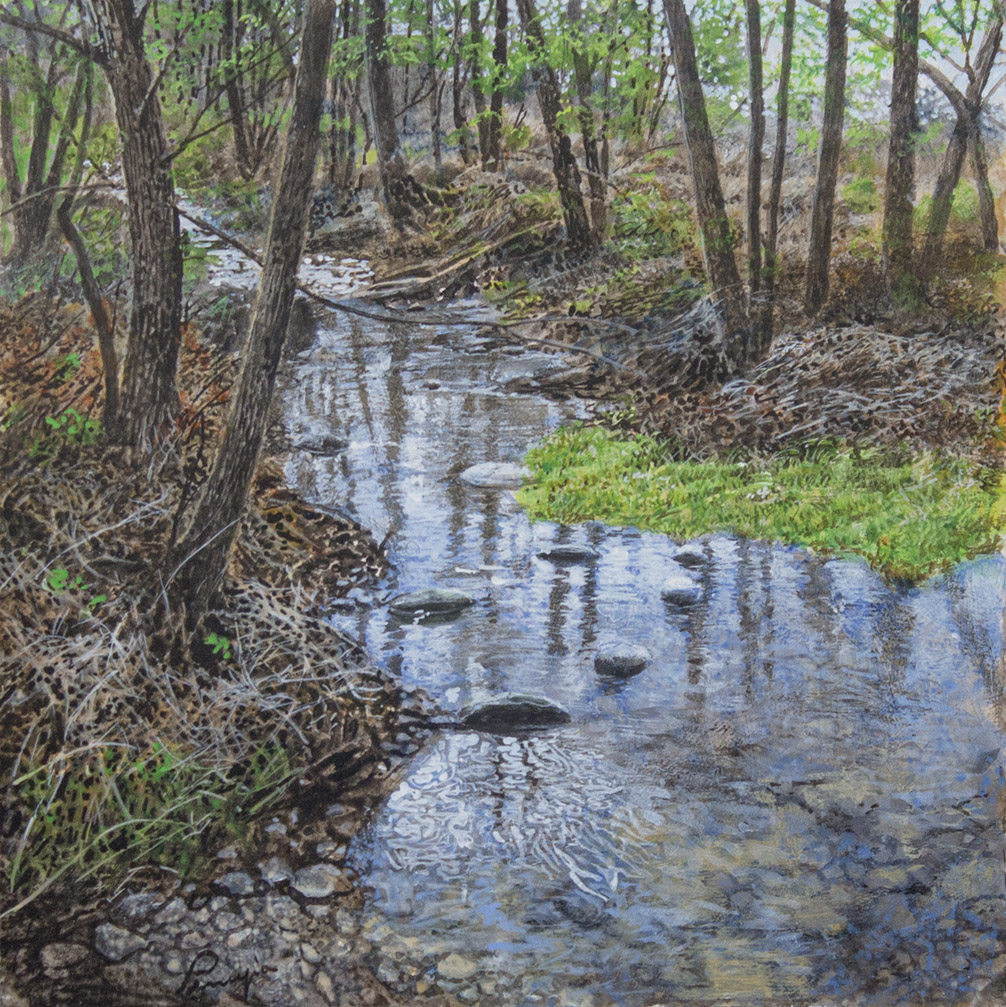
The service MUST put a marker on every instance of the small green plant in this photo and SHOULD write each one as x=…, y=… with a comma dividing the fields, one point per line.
x=860, y=195
x=74, y=427
x=221, y=645
x=59, y=582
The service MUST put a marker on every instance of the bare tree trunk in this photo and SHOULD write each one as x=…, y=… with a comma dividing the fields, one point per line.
x=756, y=141
x=710, y=209
x=953, y=159
x=149, y=397
x=102, y=323
x=567, y=174
x=200, y=557
x=986, y=199
x=382, y=101
x=765, y=323
x=457, y=91
x=823, y=212
x=435, y=92
x=492, y=159
x=583, y=78
x=898, y=248
x=235, y=99
x=474, y=72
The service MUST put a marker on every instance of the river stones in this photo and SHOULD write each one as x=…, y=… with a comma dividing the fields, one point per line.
x=567, y=555
x=494, y=475
x=621, y=660
x=237, y=883
x=114, y=943
x=433, y=601
x=514, y=712
x=680, y=590
x=320, y=881
x=691, y=557
x=324, y=445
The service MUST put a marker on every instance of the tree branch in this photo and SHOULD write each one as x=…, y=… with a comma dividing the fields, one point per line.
x=56, y=33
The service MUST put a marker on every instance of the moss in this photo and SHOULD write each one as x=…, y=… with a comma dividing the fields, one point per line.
x=909, y=519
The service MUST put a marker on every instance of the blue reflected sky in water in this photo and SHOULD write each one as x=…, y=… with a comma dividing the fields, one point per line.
x=796, y=798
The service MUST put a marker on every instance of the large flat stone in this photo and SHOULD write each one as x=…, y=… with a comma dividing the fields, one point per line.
x=494, y=475
x=516, y=712
x=434, y=601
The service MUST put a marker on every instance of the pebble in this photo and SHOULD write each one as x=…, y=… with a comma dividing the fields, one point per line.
x=237, y=883
x=320, y=881
x=681, y=590
x=494, y=475
x=115, y=943
x=691, y=557
x=514, y=712
x=61, y=956
x=456, y=966
x=275, y=871
x=434, y=601
x=621, y=660
x=561, y=554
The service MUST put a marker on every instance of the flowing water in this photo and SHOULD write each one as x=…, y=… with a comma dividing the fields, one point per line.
x=796, y=799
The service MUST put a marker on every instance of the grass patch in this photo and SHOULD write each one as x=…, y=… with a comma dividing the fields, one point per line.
x=909, y=520
x=101, y=813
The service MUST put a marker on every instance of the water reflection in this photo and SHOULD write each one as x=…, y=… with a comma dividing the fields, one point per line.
x=796, y=798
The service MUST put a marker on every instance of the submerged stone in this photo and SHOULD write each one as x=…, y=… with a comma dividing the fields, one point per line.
x=324, y=444
x=691, y=557
x=570, y=554
x=494, y=475
x=679, y=589
x=434, y=601
x=621, y=660
x=515, y=712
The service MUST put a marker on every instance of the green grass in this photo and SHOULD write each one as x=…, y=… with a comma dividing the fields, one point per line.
x=908, y=520
x=102, y=813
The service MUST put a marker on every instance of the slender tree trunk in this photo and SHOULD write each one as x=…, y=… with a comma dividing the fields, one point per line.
x=710, y=209
x=493, y=158
x=474, y=73
x=199, y=559
x=898, y=247
x=765, y=324
x=986, y=199
x=564, y=167
x=458, y=91
x=583, y=78
x=149, y=397
x=382, y=101
x=102, y=323
x=756, y=141
x=435, y=92
x=235, y=99
x=953, y=159
x=823, y=212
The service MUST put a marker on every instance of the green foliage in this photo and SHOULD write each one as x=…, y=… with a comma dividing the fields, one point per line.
x=104, y=812
x=59, y=582
x=648, y=222
x=907, y=519
x=221, y=645
x=964, y=209
x=860, y=195
x=74, y=428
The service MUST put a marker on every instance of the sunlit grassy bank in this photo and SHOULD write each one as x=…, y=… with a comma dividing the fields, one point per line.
x=909, y=520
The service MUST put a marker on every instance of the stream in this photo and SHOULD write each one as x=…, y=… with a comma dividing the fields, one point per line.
x=796, y=799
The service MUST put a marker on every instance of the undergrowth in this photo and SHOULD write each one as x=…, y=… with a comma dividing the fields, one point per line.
x=908, y=518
